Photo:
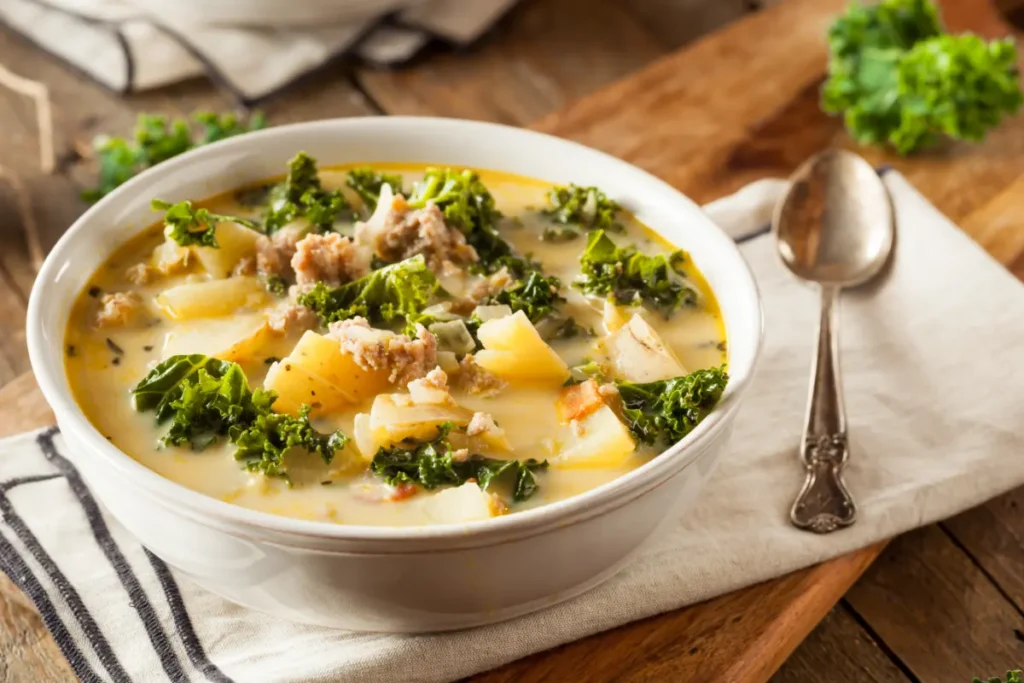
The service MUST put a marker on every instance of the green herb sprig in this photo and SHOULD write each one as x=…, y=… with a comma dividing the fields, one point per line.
x=191, y=226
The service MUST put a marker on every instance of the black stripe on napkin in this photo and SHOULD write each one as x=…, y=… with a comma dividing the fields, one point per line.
x=101, y=533
x=67, y=591
x=21, y=576
x=183, y=622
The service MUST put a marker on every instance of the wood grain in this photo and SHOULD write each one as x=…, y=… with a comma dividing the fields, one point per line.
x=937, y=611
x=546, y=53
x=27, y=653
x=839, y=650
x=739, y=637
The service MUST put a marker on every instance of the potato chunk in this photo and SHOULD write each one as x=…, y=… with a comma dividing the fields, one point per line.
x=237, y=339
x=466, y=503
x=234, y=243
x=602, y=441
x=296, y=387
x=637, y=353
x=515, y=351
x=394, y=417
x=325, y=358
x=213, y=298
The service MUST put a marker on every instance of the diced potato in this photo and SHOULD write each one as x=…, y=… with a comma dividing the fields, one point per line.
x=603, y=442
x=213, y=298
x=579, y=400
x=169, y=257
x=235, y=339
x=296, y=387
x=460, y=504
x=394, y=417
x=366, y=441
x=637, y=353
x=514, y=350
x=485, y=313
x=420, y=391
x=612, y=318
x=324, y=358
x=234, y=242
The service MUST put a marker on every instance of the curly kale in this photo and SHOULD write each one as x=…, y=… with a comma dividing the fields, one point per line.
x=1015, y=676
x=158, y=139
x=466, y=204
x=536, y=295
x=367, y=183
x=432, y=465
x=263, y=442
x=398, y=291
x=189, y=225
x=632, y=277
x=668, y=410
x=205, y=398
x=302, y=195
x=585, y=207
x=898, y=80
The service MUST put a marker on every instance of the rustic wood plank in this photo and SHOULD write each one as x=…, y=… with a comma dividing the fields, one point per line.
x=739, y=637
x=546, y=53
x=677, y=22
x=937, y=611
x=993, y=534
x=27, y=652
x=23, y=406
x=839, y=649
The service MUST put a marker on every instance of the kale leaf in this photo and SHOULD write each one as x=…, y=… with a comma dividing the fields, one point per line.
x=189, y=225
x=899, y=80
x=669, y=409
x=205, y=398
x=302, y=195
x=1015, y=676
x=263, y=441
x=586, y=207
x=367, y=183
x=632, y=277
x=536, y=295
x=401, y=290
x=158, y=139
x=432, y=465
x=468, y=205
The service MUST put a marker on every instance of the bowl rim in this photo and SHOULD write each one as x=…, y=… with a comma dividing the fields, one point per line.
x=215, y=512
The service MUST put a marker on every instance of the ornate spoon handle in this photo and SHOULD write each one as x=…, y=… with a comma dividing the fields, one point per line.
x=824, y=504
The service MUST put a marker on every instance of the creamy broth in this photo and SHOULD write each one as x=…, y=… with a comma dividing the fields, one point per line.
x=104, y=363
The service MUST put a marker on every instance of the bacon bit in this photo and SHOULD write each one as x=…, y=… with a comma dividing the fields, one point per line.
x=404, y=491
x=579, y=400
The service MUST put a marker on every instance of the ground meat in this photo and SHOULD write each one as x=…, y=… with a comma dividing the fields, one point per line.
x=289, y=317
x=329, y=258
x=274, y=253
x=491, y=285
x=141, y=274
x=118, y=309
x=406, y=233
x=406, y=359
x=245, y=266
x=476, y=380
x=480, y=423
x=460, y=455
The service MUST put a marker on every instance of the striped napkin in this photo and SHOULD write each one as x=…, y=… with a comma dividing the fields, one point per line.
x=135, y=45
x=934, y=387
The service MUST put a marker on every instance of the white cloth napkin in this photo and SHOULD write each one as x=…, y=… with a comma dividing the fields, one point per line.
x=933, y=380
x=134, y=45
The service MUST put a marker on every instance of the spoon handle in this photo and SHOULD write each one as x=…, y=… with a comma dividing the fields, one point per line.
x=824, y=504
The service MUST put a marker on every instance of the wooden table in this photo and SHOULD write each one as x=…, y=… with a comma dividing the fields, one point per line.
x=941, y=604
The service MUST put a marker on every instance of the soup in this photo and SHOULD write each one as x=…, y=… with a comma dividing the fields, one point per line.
x=395, y=345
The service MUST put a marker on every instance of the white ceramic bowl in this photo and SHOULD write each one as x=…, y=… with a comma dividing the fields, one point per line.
x=390, y=578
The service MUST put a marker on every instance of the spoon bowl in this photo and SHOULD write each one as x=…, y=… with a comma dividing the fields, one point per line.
x=835, y=225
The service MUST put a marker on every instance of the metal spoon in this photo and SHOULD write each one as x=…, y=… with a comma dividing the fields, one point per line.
x=834, y=227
